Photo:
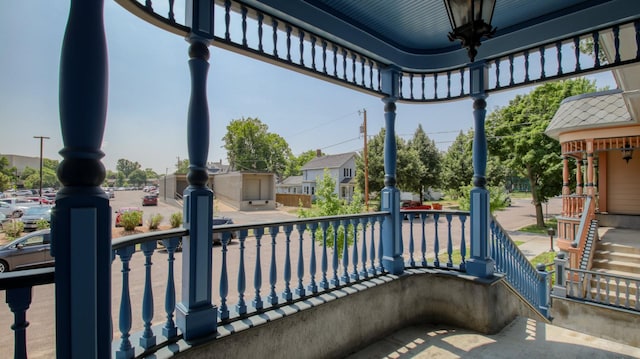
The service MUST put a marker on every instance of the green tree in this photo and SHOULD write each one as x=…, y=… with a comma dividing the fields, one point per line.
x=250, y=146
x=150, y=173
x=431, y=160
x=516, y=136
x=7, y=174
x=409, y=168
x=457, y=165
x=295, y=163
x=126, y=167
x=329, y=204
x=182, y=167
x=32, y=180
x=138, y=177
x=120, y=179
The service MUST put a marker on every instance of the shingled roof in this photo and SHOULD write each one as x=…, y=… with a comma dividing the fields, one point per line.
x=329, y=161
x=587, y=111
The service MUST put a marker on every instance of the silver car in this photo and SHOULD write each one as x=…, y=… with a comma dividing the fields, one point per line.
x=32, y=215
x=29, y=251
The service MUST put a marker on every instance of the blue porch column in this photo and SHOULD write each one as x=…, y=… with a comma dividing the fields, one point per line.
x=480, y=263
x=196, y=316
x=81, y=219
x=390, y=196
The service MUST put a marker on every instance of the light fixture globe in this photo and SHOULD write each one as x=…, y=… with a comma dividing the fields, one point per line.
x=470, y=21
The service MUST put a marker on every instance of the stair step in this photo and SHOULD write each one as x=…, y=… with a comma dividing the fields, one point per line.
x=617, y=256
x=618, y=248
x=622, y=266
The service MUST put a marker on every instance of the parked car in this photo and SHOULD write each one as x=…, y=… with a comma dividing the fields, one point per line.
x=32, y=215
x=150, y=200
x=14, y=207
x=216, y=237
x=3, y=219
x=110, y=193
x=29, y=251
x=122, y=210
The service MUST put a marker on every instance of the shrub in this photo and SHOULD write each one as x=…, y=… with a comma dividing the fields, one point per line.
x=497, y=198
x=176, y=220
x=154, y=221
x=130, y=220
x=13, y=228
x=42, y=224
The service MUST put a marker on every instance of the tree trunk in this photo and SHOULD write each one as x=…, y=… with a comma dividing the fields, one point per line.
x=536, y=200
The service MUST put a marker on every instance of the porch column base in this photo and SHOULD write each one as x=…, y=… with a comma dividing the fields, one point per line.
x=483, y=268
x=196, y=322
x=393, y=265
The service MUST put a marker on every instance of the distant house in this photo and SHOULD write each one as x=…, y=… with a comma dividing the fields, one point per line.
x=342, y=168
x=291, y=185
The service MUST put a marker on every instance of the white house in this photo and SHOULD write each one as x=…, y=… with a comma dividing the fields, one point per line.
x=291, y=185
x=342, y=168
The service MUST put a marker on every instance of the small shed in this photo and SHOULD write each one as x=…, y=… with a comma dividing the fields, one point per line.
x=247, y=191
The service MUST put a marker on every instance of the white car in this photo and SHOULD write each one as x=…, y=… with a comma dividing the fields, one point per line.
x=14, y=207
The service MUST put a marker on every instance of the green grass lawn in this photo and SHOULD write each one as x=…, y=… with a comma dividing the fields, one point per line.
x=550, y=222
x=520, y=194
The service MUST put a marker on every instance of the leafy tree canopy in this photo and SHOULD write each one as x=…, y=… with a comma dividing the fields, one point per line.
x=409, y=171
x=250, y=146
x=431, y=160
x=126, y=167
x=138, y=177
x=295, y=163
x=182, y=166
x=516, y=136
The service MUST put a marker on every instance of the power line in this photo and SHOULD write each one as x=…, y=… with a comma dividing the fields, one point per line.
x=324, y=123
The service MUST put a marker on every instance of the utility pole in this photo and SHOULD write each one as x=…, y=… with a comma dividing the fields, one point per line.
x=363, y=130
x=42, y=138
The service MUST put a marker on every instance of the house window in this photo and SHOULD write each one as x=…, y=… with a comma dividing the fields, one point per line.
x=344, y=192
x=313, y=190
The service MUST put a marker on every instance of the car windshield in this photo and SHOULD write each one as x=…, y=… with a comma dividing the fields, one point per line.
x=36, y=211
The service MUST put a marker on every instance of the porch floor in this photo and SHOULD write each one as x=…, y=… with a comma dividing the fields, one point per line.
x=523, y=338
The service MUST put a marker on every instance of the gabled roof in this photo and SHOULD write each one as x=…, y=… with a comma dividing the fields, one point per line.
x=330, y=161
x=592, y=110
x=291, y=181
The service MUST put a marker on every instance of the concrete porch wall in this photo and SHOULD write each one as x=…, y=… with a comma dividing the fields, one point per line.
x=614, y=324
x=347, y=323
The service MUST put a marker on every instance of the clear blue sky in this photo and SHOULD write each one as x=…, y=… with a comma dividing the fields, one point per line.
x=149, y=92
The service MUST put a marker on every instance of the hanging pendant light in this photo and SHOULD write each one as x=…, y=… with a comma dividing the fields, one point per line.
x=470, y=21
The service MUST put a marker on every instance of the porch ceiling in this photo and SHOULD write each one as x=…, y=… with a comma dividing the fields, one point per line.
x=413, y=34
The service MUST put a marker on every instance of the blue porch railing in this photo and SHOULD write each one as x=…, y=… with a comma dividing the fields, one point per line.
x=531, y=282
x=261, y=267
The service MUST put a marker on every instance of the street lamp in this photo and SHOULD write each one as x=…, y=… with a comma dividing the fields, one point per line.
x=42, y=138
x=470, y=21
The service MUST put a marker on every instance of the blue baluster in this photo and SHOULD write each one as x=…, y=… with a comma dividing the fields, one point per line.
x=227, y=20
x=559, y=56
x=363, y=222
x=300, y=289
x=412, y=261
x=169, y=329
x=449, y=217
x=372, y=253
x=335, y=281
x=436, y=242
x=301, y=37
x=526, y=66
x=576, y=45
x=345, y=251
x=423, y=248
x=224, y=278
x=288, y=32
x=324, y=57
x=354, y=259
x=241, y=307
x=324, y=284
x=125, y=350
x=498, y=73
x=260, y=31
x=257, y=275
x=243, y=11
x=312, y=261
x=273, y=272
x=542, y=61
x=313, y=52
x=19, y=300
x=596, y=49
x=380, y=268
x=616, y=43
x=287, y=295
x=463, y=244
x=148, y=339
x=274, y=26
